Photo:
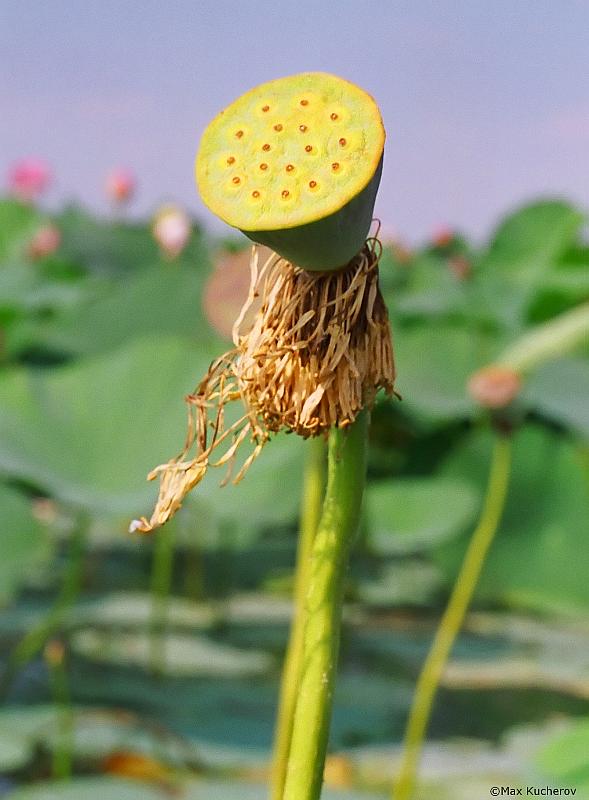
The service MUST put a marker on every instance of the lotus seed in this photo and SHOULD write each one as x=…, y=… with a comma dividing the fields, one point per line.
x=312, y=184
x=255, y=193
x=236, y=180
x=333, y=116
x=308, y=148
x=231, y=160
x=278, y=127
x=335, y=166
x=266, y=147
x=285, y=193
x=304, y=102
x=302, y=128
x=263, y=166
x=265, y=108
x=239, y=134
x=289, y=167
x=343, y=142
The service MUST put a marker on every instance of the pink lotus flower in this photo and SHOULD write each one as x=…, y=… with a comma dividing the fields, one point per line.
x=120, y=186
x=171, y=229
x=28, y=179
x=45, y=241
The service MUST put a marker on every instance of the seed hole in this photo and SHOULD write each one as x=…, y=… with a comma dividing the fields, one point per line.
x=239, y=134
x=236, y=180
x=289, y=167
x=263, y=165
x=285, y=193
x=333, y=116
x=335, y=166
x=308, y=148
x=312, y=184
x=343, y=142
x=265, y=147
x=231, y=160
x=265, y=108
x=304, y=102
x=255, y=194
x=302, y=128
x=278, y=127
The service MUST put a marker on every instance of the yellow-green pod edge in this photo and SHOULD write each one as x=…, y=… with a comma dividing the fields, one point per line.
x=295, y=164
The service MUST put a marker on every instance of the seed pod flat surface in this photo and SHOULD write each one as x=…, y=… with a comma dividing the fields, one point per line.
x=290, y=152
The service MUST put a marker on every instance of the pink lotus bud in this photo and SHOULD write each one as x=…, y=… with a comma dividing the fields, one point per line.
x=45, y=241
x=171, y=229
x=120, y=186
x=494, y=386
x=28, y=179
x=227, y=289
x=442, y=236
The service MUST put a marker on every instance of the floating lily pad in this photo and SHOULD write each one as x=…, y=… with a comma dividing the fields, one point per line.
x=135, y=609
x=184, y=655
x=88, y=789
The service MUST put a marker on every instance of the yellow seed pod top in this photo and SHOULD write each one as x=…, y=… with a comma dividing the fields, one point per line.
x=290, y=152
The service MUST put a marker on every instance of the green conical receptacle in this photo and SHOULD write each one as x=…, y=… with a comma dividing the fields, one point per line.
x=295, y=164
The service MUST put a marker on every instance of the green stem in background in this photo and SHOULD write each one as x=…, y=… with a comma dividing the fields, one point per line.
x=311, y=500
x=33, y=642
x=549, y=340
x=62, y=759
x=453, y=616
x=346, y=470
x=161, y=584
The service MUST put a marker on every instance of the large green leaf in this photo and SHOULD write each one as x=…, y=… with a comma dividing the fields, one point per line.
x=540, y=558
x=434, y=366
x=106, y=246
x=409, y=515
x=560, y=391
x=88, y=433
x=525, y=247
x=24, y=542
x=159, y=300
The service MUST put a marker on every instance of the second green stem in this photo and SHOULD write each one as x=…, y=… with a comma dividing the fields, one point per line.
x=453, y=616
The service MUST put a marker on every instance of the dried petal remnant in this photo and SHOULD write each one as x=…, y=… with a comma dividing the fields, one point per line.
x=316, y=353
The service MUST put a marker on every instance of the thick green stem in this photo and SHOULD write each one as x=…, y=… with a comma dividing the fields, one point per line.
x=453, y=616
x=549, y=340
x=323, y=609
x=33, y=642
x=161, y=583
x=311, y=500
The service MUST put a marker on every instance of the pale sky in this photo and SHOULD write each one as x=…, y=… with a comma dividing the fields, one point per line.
x=486, y=104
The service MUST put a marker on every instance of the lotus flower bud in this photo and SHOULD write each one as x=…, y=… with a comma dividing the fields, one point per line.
x=28, y=179
x=45, y=241
x=120, y=186
x=494, y=386
x=442, y=236
x=171, y=229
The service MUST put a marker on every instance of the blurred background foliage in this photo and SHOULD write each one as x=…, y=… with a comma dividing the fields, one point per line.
x=169, y=647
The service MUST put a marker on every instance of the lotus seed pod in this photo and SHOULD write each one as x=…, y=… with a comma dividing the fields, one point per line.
x=295, y=164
